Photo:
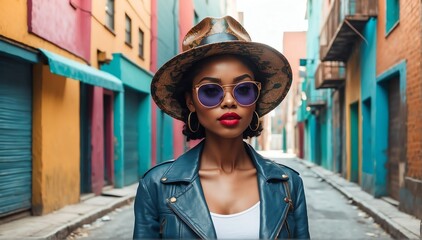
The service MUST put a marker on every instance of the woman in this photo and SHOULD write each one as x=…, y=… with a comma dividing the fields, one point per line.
x=219, y=86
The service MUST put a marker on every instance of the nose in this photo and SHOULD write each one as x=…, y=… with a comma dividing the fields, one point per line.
x=228, y=100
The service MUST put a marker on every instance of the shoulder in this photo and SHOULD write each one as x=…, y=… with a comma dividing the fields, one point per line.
x=286, y=168
x=157, y=171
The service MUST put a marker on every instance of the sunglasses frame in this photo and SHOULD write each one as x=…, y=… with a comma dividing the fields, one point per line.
x=233, y=86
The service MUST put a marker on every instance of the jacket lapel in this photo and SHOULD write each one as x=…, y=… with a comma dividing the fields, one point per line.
x=188, y=201
x=271, y=192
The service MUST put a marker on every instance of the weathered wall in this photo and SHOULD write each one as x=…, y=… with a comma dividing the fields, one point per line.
x=55, y=180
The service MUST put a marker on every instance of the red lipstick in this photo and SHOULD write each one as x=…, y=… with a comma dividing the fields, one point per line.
x=229, y=119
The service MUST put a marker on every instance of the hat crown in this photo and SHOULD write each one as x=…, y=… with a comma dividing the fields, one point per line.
x=214, y=30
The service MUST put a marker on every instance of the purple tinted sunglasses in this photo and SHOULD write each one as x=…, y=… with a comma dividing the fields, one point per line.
x=211, y=94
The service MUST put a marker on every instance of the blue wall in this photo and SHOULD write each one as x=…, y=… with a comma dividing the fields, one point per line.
x=368, y=82
x=139, y=79
x=381, y=122
x=318, y=131
x=167, y=47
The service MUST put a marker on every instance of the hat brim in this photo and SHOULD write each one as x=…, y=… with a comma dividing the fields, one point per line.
x=269, y=62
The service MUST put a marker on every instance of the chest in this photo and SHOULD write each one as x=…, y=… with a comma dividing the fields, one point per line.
x=229, y=194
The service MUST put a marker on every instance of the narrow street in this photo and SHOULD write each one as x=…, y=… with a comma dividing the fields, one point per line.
x=330, y=214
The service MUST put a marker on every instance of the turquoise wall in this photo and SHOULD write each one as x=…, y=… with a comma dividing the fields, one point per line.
x=380, y=132
x=318, y=131
x=167, y=47
x=368, y=75
x=207, y=8
x=139, y=79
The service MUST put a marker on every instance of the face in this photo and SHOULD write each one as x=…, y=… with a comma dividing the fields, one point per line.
x=227, y=113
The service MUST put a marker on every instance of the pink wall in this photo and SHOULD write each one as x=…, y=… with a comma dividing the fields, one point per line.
x=186, y=17
x=294, y=48
x=66, y=23
x=97, y=141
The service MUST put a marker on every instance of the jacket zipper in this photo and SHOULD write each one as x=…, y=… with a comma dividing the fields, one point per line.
x=288, y=229
x=185, y=221
x=282, y=223
x=163, y=222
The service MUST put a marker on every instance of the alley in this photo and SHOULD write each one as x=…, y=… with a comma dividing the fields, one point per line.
x=331, y=216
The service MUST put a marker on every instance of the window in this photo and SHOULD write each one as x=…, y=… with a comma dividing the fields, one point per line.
x=110, y=14
x=392, y=15
x=141, y=44
x=128, y=30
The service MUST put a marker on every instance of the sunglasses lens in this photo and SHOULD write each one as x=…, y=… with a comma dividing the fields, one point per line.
x=210, y=95
x=246, y=93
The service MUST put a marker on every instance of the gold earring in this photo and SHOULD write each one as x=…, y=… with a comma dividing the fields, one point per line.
x=189, y=126
x=257, y=122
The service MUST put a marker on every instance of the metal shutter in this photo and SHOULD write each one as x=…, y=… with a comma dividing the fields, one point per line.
x=15, y=136
x=131, y=136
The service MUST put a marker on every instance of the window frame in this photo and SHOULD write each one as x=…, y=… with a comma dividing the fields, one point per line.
x=392, y=15
x=110, y=15
x=141, y=45
x=128, y=32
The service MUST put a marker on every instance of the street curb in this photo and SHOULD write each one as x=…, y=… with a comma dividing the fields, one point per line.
x=393, y=228
x=67, y=229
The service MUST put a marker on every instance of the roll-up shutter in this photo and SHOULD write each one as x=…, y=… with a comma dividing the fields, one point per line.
x=131, y=136
x=15, y=136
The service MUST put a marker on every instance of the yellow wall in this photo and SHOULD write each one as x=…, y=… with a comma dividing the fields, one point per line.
x=104, y=40
x=56, y=176
x=353, y=96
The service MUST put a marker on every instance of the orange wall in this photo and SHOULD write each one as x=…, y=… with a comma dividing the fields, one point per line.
x=105, y=40
x=55, y=179
x=405, y=43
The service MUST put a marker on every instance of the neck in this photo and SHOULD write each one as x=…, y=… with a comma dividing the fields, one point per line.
x=225, y=155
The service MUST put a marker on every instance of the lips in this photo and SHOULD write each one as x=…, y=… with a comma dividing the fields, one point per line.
x=229, y=119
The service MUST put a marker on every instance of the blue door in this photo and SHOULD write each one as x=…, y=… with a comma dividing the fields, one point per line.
x=15, y=136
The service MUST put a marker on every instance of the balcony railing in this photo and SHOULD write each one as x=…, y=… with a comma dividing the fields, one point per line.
x=330, y=75
x=343, y=25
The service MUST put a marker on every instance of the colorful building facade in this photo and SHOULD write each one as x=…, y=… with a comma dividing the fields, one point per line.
x=171, y=20
x=63, y=120
x=369, y=60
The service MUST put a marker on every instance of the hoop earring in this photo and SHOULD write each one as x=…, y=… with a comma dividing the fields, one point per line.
x=189, y=125
x=257, y=122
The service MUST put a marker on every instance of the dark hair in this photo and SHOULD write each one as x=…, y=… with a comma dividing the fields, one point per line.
x=186, y=87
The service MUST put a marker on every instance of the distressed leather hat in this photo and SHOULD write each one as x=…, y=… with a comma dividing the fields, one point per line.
x=219, y=36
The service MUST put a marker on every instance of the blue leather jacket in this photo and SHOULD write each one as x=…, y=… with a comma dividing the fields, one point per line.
x=170, y=202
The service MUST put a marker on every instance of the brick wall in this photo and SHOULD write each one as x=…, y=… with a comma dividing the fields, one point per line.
x=404, y=43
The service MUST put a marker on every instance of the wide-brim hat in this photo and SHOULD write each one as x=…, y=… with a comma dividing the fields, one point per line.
x=219, y=36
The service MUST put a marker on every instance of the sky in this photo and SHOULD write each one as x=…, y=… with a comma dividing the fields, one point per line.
x=266, y=20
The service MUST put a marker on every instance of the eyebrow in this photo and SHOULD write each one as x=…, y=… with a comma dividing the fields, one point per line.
x=218, y=80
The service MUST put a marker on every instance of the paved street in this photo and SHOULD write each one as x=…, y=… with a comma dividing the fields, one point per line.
x=331, y=216
x=115, y=225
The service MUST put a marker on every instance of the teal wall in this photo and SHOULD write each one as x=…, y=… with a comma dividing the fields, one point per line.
x=207, y=8
x=318, y=130
x=167, y=47
x=368, y=83
x=381, y=112
x=139, y=79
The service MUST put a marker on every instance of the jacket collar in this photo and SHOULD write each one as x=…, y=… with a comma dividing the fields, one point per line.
x=186, y=167
x=185, y=170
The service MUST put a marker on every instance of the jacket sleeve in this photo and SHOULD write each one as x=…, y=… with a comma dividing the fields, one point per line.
x=300, y=213
x=146, y=215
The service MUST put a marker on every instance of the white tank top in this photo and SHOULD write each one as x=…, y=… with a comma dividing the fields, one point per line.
x=242, y=225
